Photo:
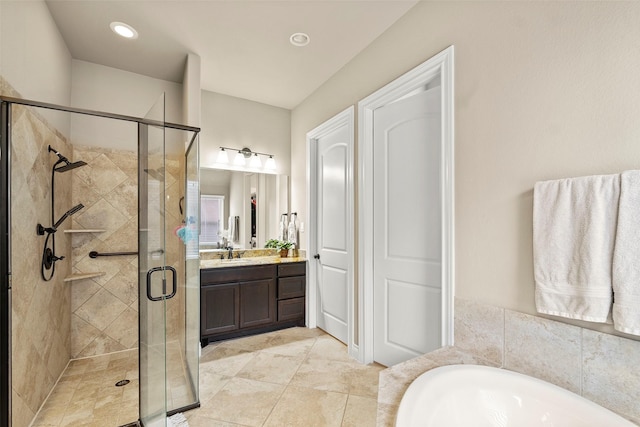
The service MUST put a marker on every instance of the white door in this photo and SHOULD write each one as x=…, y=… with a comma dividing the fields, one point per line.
x=333, y=232
x=407, y=253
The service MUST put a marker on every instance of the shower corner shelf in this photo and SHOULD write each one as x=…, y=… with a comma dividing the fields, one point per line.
x=85, y=231
x=80, y=276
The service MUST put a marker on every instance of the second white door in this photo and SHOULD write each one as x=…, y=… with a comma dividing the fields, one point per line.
x=407, y=227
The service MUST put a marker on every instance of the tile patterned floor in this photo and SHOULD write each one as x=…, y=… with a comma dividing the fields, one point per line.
x=86, y=394
x=294, y=377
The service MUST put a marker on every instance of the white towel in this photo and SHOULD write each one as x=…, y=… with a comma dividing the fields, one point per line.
x=626, y=257
x=234, y=230
x=177, y=420
x=574, y=225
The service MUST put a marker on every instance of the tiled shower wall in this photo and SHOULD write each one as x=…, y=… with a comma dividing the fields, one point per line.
x=105, y=308
x=601, y=367
x=40, y=314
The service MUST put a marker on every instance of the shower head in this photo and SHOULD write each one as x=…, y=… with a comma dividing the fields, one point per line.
x=67, y=164
x=157, y=174
x=66, y=215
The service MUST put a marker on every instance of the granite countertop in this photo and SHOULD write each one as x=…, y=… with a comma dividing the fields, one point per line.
x=250, y=260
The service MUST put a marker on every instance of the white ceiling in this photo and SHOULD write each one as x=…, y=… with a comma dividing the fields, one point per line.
x=243, y=45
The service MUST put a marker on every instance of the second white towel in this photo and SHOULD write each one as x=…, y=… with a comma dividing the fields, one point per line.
x=574, y=226
x=626, y=257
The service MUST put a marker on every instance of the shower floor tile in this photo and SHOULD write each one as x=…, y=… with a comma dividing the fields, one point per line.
x=86, y=394
x=283, y=376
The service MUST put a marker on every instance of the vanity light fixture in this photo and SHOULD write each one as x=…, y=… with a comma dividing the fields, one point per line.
x=241, y=157
x=124, y=30
x=299, y=39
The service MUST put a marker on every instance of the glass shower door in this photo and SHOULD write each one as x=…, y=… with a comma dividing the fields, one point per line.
x=156, y=280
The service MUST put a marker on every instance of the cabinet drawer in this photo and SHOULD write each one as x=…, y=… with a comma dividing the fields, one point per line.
x=236, y=274
x=291, y=287
x=292, y=269
x=290, y=309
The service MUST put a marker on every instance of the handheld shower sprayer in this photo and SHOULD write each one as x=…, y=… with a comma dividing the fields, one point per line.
x=48, y=253
x=41, y=229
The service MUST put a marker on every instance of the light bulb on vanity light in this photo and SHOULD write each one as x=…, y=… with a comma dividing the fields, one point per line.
x=270, y=163
x=239, y=160
x=223, y=158
x=255, y=161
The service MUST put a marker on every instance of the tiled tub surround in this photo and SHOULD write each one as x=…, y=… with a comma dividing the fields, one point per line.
x=40, y=312
x=601, y=367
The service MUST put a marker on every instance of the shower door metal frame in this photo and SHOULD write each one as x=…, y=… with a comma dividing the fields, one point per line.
x=5, y=262
x=5, y=226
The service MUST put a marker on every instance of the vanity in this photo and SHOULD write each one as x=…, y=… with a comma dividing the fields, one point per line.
x=246, y=290
x=247, y=296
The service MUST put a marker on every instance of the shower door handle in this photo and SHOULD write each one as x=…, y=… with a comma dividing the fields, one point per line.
x=164, y=295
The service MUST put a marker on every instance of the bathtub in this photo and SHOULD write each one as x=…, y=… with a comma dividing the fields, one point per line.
x=481, y=396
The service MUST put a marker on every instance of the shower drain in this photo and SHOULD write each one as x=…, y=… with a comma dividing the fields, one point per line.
x=122, y=383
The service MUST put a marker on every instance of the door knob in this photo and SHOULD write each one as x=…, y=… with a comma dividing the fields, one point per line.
x=317, y=256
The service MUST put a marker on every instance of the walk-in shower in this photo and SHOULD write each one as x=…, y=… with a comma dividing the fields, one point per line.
x=49, y=257
x=120, y=204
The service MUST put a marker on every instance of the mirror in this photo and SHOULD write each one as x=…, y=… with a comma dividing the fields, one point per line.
x=241, y=209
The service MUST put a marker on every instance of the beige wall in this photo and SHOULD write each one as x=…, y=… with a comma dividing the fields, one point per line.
x=34, y=59
x=543, y=90
x=236, y=123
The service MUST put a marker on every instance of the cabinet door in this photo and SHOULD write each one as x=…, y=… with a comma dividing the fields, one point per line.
x=219, y=309
x=257, y=303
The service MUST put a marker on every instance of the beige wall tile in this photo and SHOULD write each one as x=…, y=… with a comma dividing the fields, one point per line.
x=101, y=174
x=479, y=328
x=101, y=309
x=124, y=328
x=544, y=349
x=611, y=377
x=22, y=414
x=40, y=310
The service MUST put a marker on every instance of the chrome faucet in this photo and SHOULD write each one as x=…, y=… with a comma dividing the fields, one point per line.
x=230, y=255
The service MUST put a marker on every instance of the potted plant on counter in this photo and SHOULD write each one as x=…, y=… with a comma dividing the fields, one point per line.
x=281, y=245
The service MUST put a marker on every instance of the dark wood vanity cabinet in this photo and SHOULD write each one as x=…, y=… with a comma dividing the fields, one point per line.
x=238, y=301
x=292, y=284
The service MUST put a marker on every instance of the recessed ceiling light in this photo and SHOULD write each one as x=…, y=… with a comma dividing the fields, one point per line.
x=124, y=30
x=299, y=39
